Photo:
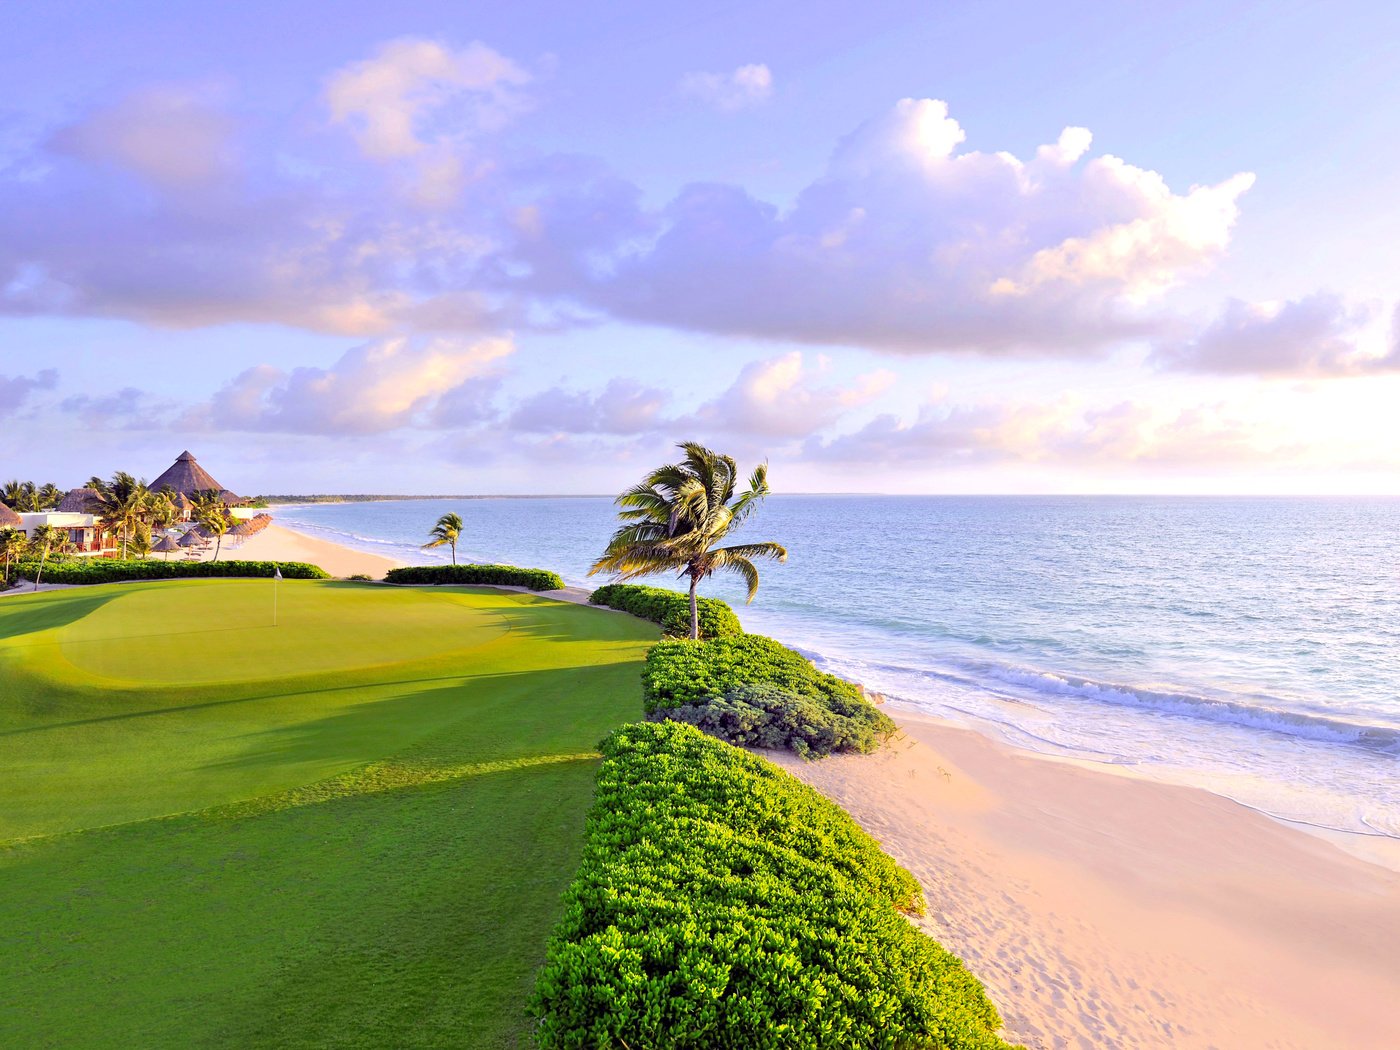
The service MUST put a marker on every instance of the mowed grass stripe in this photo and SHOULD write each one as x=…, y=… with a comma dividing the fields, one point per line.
x=401, y=897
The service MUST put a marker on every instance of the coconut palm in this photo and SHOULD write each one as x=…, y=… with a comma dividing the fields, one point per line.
x=49, y=496
x=54, y=540
x=13, y=545
x=678, y=513
x=20, y=496
x=120, y=504
x=446, y=533
x=212, y=516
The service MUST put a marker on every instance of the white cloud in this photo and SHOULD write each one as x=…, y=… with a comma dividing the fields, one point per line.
x=1059, y=432
x=624, y=406
x=1318, y=335
x=373, y=388
x=779, y=398
x=907, y=244
x=421, y=101
x=176, y=135
x=746, y=86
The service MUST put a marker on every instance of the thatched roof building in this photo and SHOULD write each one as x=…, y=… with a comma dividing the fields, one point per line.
x=9, y=519
x=187, y=478
x=78, y=501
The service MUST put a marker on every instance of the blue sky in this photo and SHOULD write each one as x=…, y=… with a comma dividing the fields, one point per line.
x=519, y=248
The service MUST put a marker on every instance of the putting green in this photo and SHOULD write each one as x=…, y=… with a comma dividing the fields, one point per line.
x=222, y=631
x=348, y=830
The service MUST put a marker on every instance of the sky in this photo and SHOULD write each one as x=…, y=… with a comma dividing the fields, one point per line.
x=888, y=247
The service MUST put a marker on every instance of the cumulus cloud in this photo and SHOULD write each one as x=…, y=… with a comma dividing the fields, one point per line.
x=421, y=100
x=175, y=135
x=909, y=245
x=129, y=408
x=746, y=86
x=1059, y=432
x=781, y=398
x=624, y=406
x=15, y=390
x=1318, y=335
x=373, y=388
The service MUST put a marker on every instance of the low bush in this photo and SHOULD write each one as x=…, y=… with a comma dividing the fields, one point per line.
x=669, y=609
x=721, y=904
x=488, y=575
x=753, y=690
x=108, y=570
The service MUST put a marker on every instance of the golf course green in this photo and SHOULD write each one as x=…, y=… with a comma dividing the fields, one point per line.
x=351, y=829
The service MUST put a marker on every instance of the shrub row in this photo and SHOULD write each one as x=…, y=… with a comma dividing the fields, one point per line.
x=669, y=609
x=753, y=691
x=108, y=570
x=498, y=575
x=723, y=904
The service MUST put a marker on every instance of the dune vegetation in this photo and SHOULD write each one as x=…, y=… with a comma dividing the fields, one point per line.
x=352, y=829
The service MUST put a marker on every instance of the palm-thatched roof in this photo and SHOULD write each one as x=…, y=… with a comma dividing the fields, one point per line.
x=9, y=519
x=193, y=538
x=245, y=528
x=166, y=544
x=78, y=501
x=187, y=477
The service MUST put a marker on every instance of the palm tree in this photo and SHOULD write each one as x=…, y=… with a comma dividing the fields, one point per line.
x=12, y=547
x=20, y=496
x=212, y=516
x=677, y=514
x=446, y=532
x=53, y=538
x=120, y=503
x=49, y=496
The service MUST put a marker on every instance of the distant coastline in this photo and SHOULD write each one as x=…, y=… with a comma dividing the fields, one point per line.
x=286, y=500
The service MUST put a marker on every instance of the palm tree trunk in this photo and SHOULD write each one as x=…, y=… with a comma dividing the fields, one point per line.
x=694, y=608
x=454, y=552
x=218, y=546
x=123, y=541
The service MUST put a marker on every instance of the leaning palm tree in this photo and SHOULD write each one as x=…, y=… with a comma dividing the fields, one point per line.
x=54, y=539
x=446, y=533
x=675, y=517
x=212, y=516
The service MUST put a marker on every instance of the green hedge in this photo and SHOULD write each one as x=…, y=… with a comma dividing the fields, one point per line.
x=723, y=904
x=753, y=690
x=108, y=570
x=669, y=609
x=498, y=575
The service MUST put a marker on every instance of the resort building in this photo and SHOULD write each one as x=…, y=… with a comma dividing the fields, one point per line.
x=187, y=479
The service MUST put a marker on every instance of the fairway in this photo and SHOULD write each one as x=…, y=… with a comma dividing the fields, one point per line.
x=351, y=829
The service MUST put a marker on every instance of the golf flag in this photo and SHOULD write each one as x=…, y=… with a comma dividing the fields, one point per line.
x=277, y=572
x=276, y=575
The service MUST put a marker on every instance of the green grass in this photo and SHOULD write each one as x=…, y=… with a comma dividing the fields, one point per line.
x=351, y=830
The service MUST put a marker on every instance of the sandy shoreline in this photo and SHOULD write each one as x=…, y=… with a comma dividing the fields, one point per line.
x=1103, y=911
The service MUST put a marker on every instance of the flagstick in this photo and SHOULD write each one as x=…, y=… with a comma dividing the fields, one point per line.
x=275, y=578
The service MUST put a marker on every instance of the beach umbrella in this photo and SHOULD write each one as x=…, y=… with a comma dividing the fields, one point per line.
x=242, y=531
x=166, y=545
x=193, y=538
x=9, y=519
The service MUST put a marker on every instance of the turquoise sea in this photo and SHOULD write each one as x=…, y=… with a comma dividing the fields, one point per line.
x=1249, y=646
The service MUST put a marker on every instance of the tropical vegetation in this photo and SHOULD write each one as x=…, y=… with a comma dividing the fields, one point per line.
x=675, y=517
x=752, y=690
x=109, y=570
x=445, y=533
x=25, y=497
x=715, y=619
x=480, y=575
x=723, y=904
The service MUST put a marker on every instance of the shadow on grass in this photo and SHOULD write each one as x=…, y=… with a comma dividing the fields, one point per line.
x=58, y=609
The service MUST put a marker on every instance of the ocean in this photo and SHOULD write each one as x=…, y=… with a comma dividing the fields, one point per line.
x=1247, y=646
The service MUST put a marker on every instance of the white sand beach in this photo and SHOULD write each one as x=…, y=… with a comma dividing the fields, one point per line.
x=276, y=543
x=1104, y=911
